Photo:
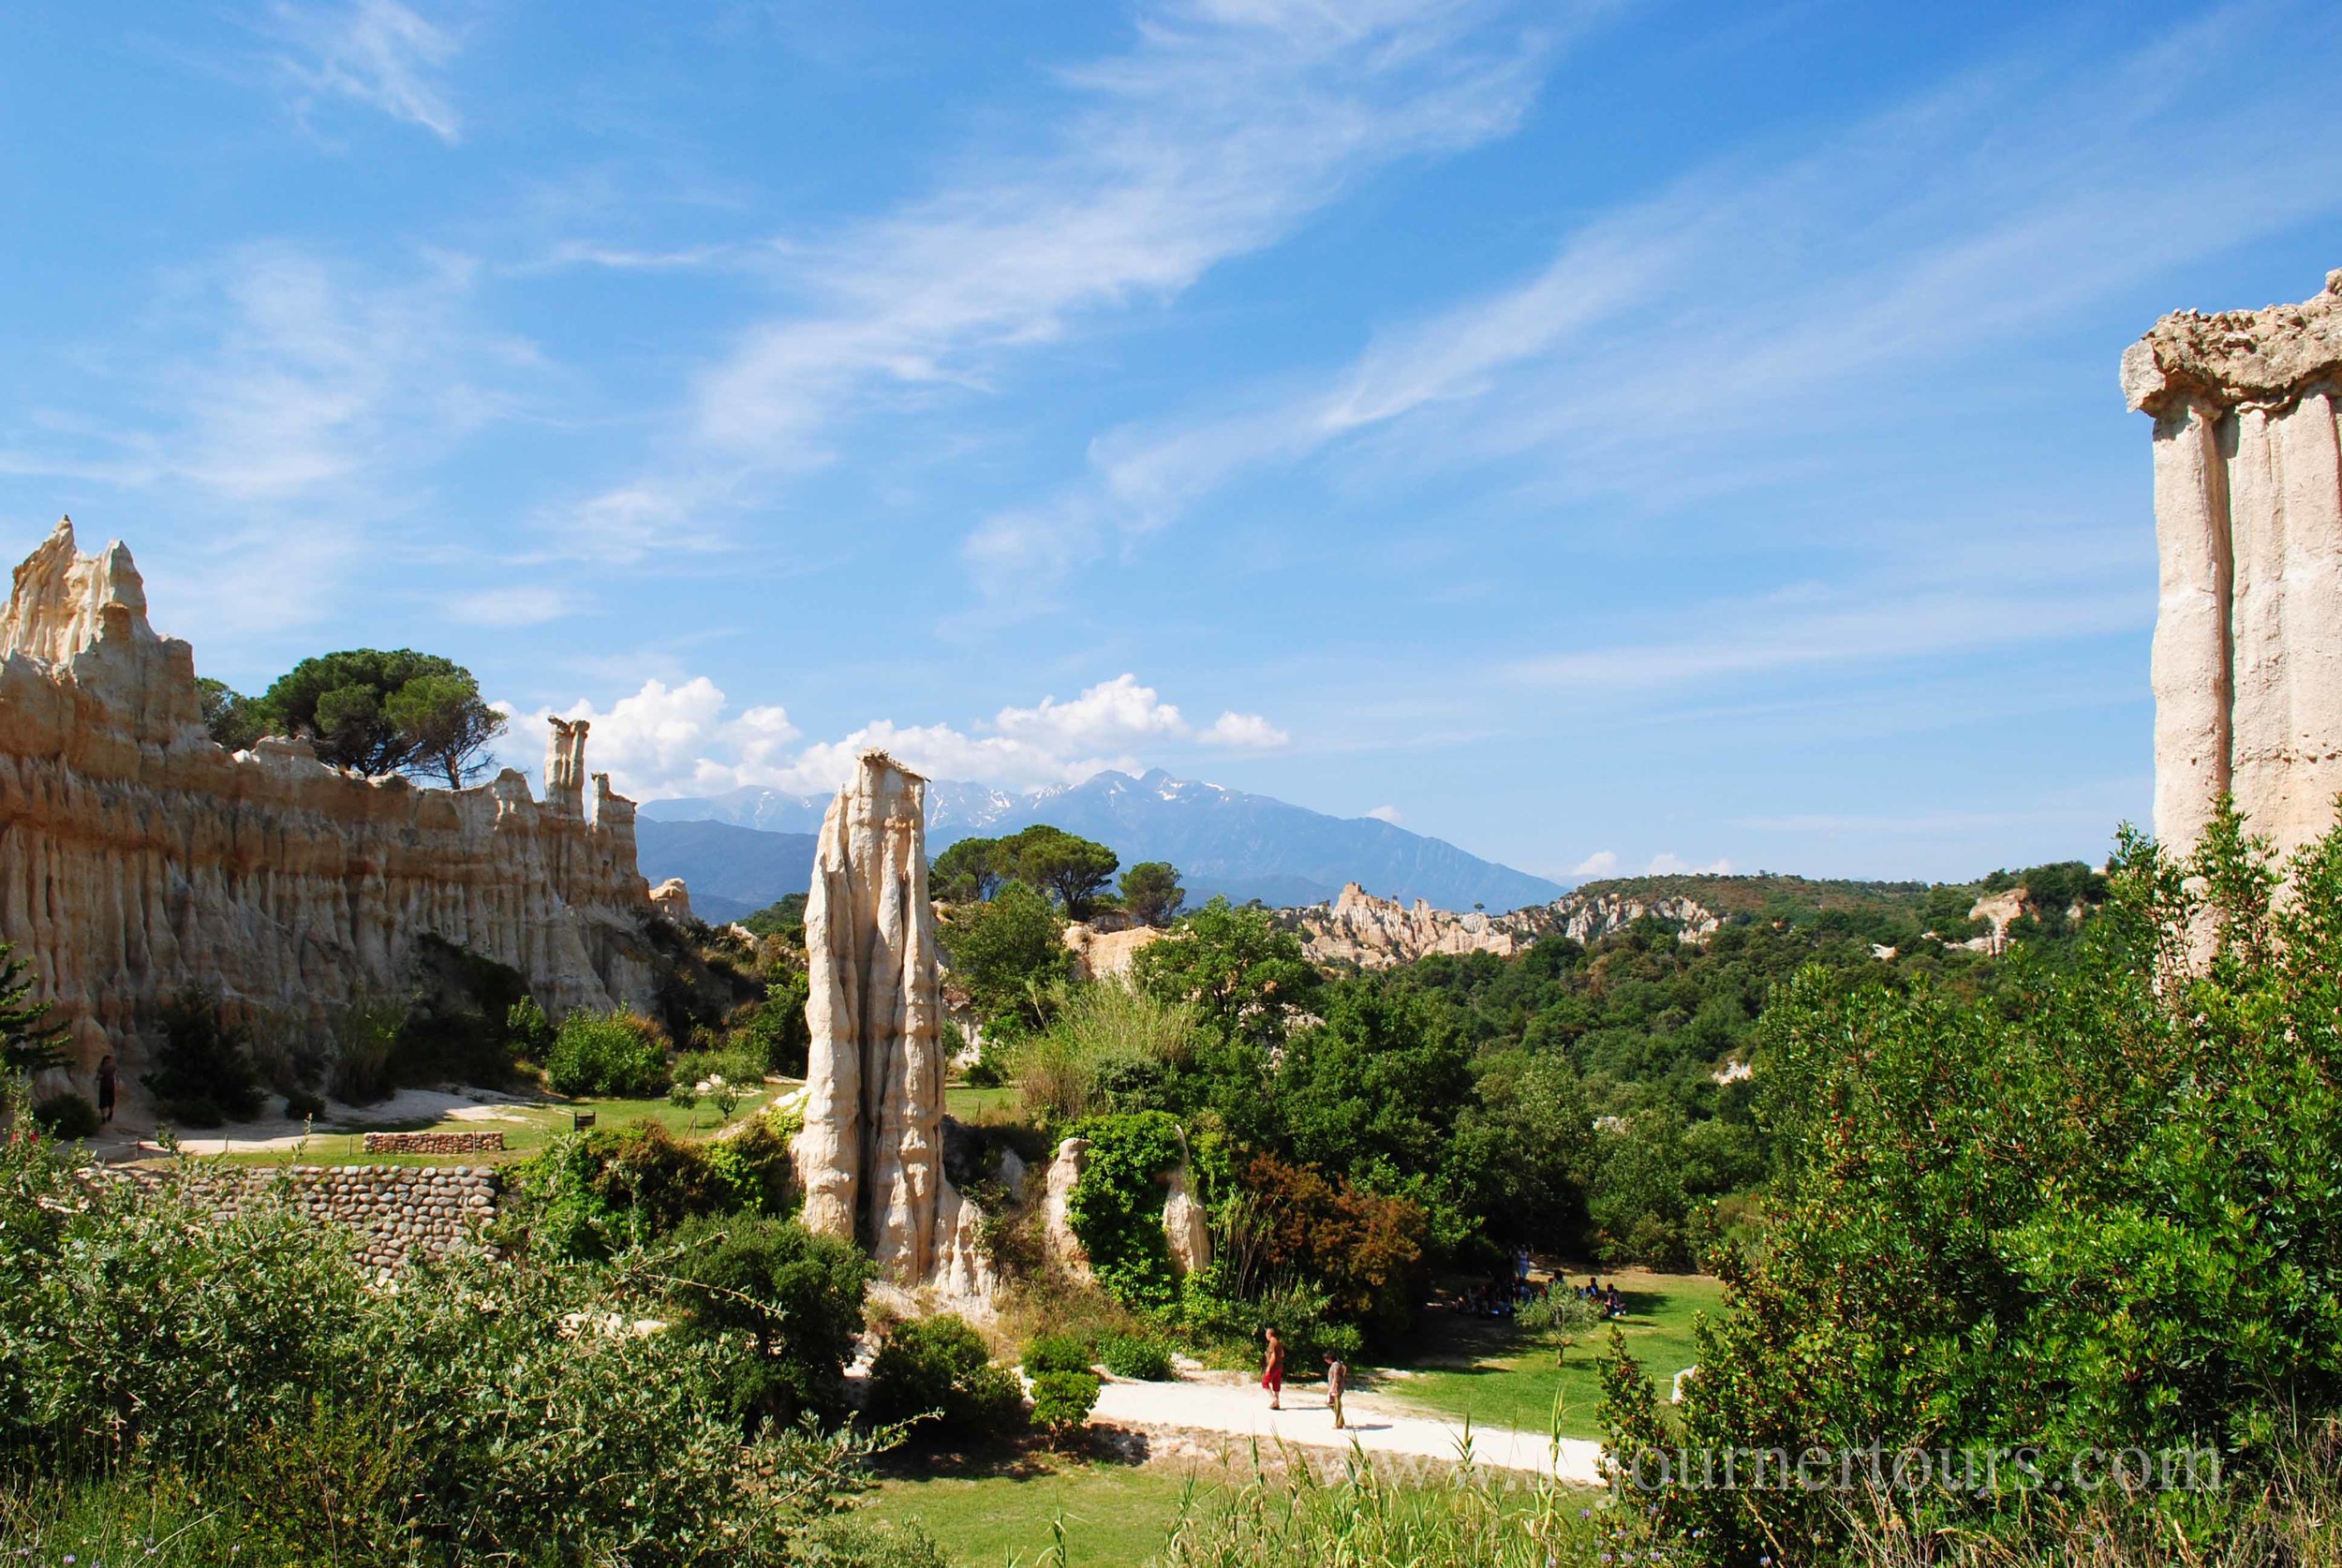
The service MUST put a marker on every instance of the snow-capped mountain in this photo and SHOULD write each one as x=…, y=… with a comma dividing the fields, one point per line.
x=1224, y=841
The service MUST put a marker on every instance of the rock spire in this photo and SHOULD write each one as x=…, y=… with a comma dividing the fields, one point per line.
x=2248, y=662
x=870, y=1156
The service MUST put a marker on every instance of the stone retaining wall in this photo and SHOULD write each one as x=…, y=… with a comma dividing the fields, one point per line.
x=434, y=1143
x=396, y=1210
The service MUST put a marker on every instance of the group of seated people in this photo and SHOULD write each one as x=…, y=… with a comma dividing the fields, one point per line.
x=1501, y=1298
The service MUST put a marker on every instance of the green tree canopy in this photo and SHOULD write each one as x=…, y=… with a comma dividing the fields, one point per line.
x=387, y=711
x=1008, y=953
x=1152, y=892
x=235, y=719
x=1246, y=975
x=1068, y=867
x=969, y=872
x=1074, y=870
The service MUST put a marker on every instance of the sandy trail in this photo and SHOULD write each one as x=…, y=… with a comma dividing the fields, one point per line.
x=1235, y=1406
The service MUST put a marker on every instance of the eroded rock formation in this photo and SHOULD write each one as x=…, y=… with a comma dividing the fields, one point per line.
x=870, y=1156
x=1380, y=933
x=672, y=899
x=2247, y=664
x=137, y=858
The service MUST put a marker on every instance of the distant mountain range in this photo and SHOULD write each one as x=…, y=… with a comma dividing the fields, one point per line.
x=1222, y=841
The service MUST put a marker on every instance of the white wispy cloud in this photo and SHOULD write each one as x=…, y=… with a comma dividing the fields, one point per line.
x=682, y=738
x=1599, y=864
x=512, y=604
x=1658, y=356
x=1223, y=126
x=377, y=52
x=279, y=402
x=1390, y=814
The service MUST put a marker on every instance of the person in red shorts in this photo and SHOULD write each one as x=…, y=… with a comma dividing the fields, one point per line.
x=1274, y=1378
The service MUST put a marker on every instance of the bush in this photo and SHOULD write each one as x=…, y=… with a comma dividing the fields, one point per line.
x=203, y=1073
x=529, y=1030
x=66, y=1115
x=1061, y=1401
x=781, y=1305
x=2098, y=1214
x=608, y=1053
x=304, y=1105
x=939, y=1365
x=1116, y=1210
x=1135, y=1355
x=359, y=1072
x=773, y=1034
x=734, y=1067
x=237, y=1377
x=1058, y=1353
x=593, y=1194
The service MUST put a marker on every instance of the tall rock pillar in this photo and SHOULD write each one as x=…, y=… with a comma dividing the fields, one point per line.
x=2247, y=665
x=870, y=1157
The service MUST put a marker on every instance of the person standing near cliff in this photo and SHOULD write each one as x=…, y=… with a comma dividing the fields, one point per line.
x=1273, y=1379
x=105, y=1089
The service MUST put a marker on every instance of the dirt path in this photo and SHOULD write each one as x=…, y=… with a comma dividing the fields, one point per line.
x=1233, y=1405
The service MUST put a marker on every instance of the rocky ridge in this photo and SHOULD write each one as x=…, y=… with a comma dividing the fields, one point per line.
x=137, y=858
x=1382, y=933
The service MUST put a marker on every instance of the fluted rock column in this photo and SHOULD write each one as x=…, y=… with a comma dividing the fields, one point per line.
x=2247, y=664
x=870, y=1157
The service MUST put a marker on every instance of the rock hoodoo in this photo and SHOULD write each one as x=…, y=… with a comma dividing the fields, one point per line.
x=2247, y=665
x=870, y=1156
x=137, y=858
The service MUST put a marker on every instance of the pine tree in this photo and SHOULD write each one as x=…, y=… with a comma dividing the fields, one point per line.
x=26, y=1045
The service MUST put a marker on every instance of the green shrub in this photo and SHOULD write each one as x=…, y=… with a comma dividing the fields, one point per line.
x=1116, y=1209
x=2096, y=1214
x=1135, y=1355
x=302, y=1104
x=593, y=1194
x=203, y=1072
x=781, y=1305
x=529, y=1030
x=358, y=1068
x=939, y=1365
x=735, y=1067
x=773, y=1033
x=66, y=1115
x=1061, y=1401
x=1058, y=1353
x=618, y=1054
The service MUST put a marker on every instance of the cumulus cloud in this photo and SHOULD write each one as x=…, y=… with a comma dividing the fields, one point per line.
x=684, y=740
x=1599, y=864
x=1385, y=814
x=1667, y=865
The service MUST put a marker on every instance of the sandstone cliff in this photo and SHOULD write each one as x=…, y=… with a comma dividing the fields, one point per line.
x=1380, y=933
x=2247, y=665
x=137, y=858
x=870, y=1156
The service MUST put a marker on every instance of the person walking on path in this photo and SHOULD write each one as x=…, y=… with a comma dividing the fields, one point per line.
x=1274, y=1378
x=105, y=1089
x=1337, y=1382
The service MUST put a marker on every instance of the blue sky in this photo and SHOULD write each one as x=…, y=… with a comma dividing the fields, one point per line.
x=1604, y=435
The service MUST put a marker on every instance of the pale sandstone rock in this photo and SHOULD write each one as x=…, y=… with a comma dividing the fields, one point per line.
x=1380, y=933
x=870, y=1156
x=1185, y=1231
x=2247, y=664
x=137, y=858
x=1101, y=955
x=672, y=899
x=1056, y=1195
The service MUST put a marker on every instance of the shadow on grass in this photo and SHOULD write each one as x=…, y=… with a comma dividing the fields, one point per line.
x=1031, y=1457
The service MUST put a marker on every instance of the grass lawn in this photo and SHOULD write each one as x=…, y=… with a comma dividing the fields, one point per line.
x=970, y=1104
x=1481, y=1368
x=527, y=1126
x=1115, y=1516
